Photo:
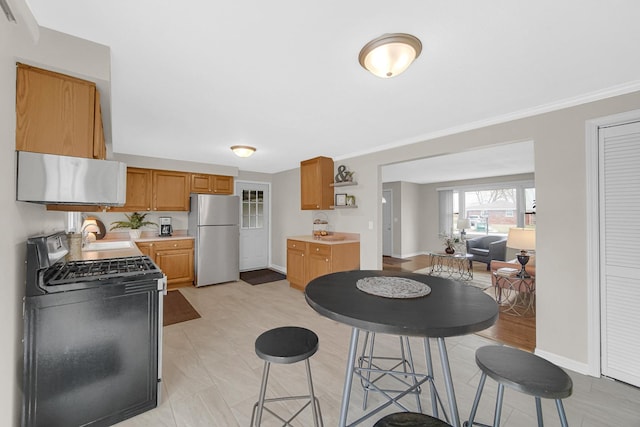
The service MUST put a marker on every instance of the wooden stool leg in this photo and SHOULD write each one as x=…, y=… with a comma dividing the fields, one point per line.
x=563, y=416
x=476, y=401
x=499, y=398
x=539, y=412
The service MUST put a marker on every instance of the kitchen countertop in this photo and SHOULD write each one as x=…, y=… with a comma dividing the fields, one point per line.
x=332, y=239
x=147, y=236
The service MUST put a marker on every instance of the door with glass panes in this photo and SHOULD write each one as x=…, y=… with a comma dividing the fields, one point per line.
x=254, y=225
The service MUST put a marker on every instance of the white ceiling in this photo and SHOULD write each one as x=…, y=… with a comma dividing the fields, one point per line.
x=191, y=78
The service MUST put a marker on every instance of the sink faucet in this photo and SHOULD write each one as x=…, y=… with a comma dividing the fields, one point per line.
x=89, y=226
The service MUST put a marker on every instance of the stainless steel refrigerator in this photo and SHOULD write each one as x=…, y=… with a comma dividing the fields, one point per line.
x=213, y=221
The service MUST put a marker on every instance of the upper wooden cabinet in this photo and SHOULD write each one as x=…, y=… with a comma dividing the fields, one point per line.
x=211, y=184
x=139, y=191
x=157, y=190
x=170, y=190
x=58, y=114
x=316, y=176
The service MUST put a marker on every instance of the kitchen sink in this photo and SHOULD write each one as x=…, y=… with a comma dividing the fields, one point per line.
x=107, y=246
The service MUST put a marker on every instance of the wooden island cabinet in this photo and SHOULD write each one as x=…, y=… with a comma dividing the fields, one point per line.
x=308, y=258
x=174, y=257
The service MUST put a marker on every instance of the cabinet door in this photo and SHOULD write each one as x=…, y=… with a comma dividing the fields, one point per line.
x=139, y=191
x=296, y=259
x=54, y=113
x=146, y=248
x=177, y=265
x=222, y=184
x=99, y=147
x=170, y=190
x=200, y=183
x=316, y=175
x=318, y=265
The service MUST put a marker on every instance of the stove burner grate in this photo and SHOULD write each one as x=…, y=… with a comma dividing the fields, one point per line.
x=76, y=271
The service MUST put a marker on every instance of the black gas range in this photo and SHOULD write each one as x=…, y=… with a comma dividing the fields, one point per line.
x=47, y=272
x=92, y=336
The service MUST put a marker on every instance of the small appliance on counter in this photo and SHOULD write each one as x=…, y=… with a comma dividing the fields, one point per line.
x=165, y=226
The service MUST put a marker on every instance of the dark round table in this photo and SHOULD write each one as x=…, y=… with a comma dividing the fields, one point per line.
x=451, y=309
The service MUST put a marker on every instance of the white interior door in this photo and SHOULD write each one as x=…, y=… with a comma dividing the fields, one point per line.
x=619, y=182
x=254, y=225
x=387, y=223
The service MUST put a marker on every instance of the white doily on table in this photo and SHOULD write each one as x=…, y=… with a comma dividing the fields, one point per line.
x=393, y=287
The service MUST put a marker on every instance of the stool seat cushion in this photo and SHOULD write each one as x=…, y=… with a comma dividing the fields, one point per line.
x=410, y=419
x=524, y=371
x=287, y=344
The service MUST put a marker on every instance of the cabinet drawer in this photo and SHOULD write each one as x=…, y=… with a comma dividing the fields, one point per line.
x=296, y=244
x=173, y=244
x=319, y=249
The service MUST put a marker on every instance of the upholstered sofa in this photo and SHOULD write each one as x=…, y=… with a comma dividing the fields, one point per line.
x=487, y=248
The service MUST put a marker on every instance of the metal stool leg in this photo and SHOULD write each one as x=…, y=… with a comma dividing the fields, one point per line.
x=539, y=412
x=315, y=405
x=432, y=386
x=563, y=416
x=263, y=390
x=499, y=398
x=476, y=401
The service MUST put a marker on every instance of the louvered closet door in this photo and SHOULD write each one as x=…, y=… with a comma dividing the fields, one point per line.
x=620, y=251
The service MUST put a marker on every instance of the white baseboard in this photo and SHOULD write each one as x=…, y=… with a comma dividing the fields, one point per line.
x=278, y=268
x=563, y=362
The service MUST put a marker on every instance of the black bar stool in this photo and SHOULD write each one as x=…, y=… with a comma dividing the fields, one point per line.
x=410, y=419
x=524, y=372
x=286, y=345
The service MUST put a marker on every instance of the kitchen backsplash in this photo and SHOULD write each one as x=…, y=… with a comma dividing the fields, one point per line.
x=179, y=220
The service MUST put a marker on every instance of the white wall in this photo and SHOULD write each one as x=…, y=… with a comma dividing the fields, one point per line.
x=22, y=220
x=560, y=175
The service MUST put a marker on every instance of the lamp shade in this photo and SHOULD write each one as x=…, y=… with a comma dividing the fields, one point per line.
x=522, y=238
x=390, y=54
x=463, y=223
x=243, y=150
x=90, y=226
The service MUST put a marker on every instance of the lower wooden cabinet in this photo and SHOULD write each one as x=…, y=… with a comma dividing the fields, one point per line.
x=306, y=261
x=174, y=258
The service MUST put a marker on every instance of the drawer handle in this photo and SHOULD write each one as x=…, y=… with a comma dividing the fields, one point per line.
x=175, y=245
x=317, y=249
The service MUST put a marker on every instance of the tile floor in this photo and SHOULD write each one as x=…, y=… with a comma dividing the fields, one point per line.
x=212, y=374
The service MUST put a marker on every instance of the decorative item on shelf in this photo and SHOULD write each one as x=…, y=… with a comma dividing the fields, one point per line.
x=351, y=200
x=525, y=240
x=341, y=199
x=134, y=222
x=450, y=243
x=320, y=225
x=343, y=174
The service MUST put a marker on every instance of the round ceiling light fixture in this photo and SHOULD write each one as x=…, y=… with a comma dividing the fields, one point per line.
x=390, y=54
x=243, y=150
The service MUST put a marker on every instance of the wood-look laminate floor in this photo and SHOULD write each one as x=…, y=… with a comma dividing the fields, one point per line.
x=211, y=374
x=516, y=331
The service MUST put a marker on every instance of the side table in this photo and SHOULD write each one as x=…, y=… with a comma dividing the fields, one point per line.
x=455, y=266
x=515, y=294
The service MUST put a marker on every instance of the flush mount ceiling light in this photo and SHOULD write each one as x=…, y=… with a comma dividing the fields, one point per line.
x=390, y=54
x=243, y=150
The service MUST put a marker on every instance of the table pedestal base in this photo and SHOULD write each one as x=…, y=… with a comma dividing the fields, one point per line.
x=364, y=373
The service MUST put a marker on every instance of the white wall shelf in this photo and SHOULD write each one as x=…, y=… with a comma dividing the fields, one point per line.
x=343, y=184
x=344, y=207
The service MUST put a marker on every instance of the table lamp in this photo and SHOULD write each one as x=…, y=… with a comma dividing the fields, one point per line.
x=462, y=224
x=523, y=239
